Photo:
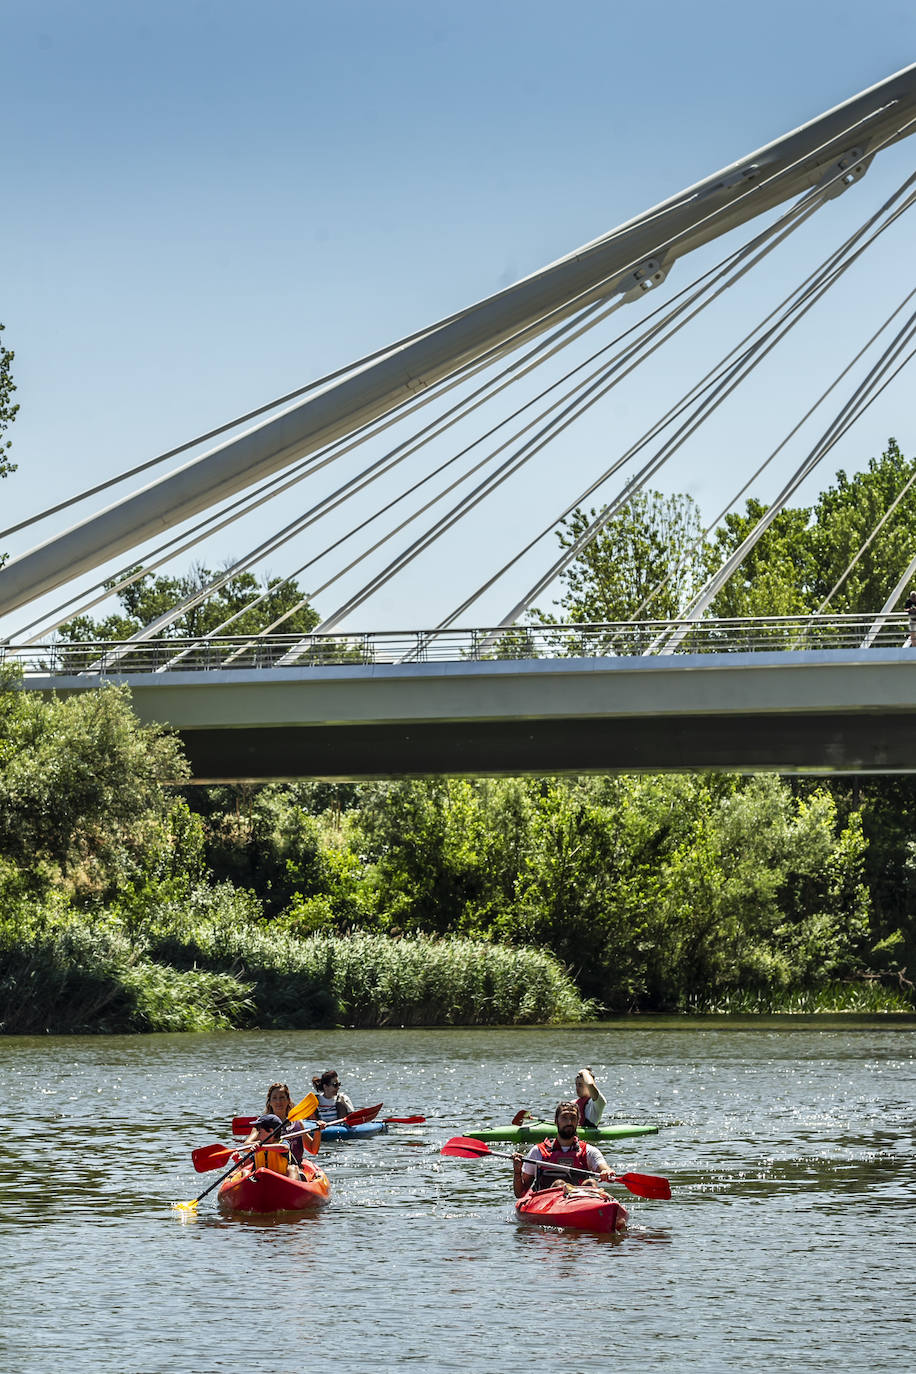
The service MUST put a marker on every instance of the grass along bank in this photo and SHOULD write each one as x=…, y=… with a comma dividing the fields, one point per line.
x=208, y=969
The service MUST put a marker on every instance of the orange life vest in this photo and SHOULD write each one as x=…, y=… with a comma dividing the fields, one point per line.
x=272, y=1158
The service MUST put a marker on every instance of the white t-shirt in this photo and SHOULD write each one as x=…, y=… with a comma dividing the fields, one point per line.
x=594, y=1109
x=594, y=1160
x=332, y=1108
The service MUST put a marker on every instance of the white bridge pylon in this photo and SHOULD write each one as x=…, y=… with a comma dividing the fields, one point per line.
x=830, y=153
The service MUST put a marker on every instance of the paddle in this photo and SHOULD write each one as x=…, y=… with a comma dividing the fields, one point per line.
x=403, y=1120
x=210, y=1157
x=305, y=1108
x=215, y=1156
x=241, y=1125
x=643, y=1185
x=521, y=1117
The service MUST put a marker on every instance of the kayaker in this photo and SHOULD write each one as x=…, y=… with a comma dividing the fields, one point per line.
x=300, y=1139
x=332, y=1103
x=267, y=1130
x=589, y=1100
x=566, y=1149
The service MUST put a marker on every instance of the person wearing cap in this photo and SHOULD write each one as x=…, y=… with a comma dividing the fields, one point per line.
x=589, y=1100
x=565, y=1150
x=266, y=1130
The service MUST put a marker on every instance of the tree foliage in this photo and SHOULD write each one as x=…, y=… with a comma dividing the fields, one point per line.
x=149, y=597
x=828, y=552
x=653, y=545
x=8, y=409
x=805, y=556
x=85, y=800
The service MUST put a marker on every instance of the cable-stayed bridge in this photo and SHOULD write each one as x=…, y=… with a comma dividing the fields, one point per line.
x=456, y=412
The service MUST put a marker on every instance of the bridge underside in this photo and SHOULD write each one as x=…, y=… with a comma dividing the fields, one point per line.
x=859, y=742
x=851, y=711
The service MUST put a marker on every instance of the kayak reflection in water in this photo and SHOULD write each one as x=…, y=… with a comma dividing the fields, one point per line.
x=333, y=1105
x=566, y=1150
x=295, y=1134
x=589, y=1100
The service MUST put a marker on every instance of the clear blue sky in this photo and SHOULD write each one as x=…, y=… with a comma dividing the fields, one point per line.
x=205, y=204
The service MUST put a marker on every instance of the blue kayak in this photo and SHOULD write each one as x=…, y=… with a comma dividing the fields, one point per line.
x=355, y=1132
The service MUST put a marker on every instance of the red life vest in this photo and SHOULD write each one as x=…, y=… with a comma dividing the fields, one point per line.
x=582, y=1103
x=551, y=1153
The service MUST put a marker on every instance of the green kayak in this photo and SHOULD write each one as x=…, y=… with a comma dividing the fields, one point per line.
x=542, y=1130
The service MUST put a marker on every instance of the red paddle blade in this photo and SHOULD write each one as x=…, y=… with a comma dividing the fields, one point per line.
x=521, y=1117
x=645, y=1185
x=463, y=1147
x=364, y=1114
x=403, y=1120
x=241, y=1125
x=210, y=1157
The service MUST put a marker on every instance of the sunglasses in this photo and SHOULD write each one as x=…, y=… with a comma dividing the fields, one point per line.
x=330, y=1082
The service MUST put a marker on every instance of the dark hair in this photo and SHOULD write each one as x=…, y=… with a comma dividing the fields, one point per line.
x=565, y=1107
x=321, y=1078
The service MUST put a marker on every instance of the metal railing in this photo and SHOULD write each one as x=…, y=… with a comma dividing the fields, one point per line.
x=790, y=634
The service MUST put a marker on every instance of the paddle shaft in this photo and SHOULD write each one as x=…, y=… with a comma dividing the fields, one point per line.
x=356, y=1118
x=545, y=1164
x=308, y=1126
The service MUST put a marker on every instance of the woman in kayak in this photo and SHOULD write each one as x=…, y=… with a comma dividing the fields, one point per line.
x=332, y=1103
x=589, y=1100
x=299, y=1138
x=566, y=1150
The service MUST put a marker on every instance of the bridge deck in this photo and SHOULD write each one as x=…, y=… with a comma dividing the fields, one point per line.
x=833, y=710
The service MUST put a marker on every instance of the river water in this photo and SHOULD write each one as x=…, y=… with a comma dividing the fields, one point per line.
x=787, y=1244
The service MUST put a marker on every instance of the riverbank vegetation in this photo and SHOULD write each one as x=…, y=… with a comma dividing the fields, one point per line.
x=130, y=901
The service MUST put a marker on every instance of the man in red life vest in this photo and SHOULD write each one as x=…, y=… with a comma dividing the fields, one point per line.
x=566, y=1150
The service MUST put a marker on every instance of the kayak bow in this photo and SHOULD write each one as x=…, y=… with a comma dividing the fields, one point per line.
x=576, y=1209
x=264, y=1190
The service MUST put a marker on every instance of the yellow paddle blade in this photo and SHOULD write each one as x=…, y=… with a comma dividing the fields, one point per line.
x=307, y=1107
x=185, y=1206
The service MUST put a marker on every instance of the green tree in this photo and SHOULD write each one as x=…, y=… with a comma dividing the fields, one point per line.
x=8, y=409
x=427, y=842
x=84, y=789
x=844, y=518
x=149, y=597
x=804, y=558
x=654, y=542
x=777, y=575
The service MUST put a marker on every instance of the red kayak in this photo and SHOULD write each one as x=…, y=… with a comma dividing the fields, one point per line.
x=264, y=1190
x=579, y=1209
